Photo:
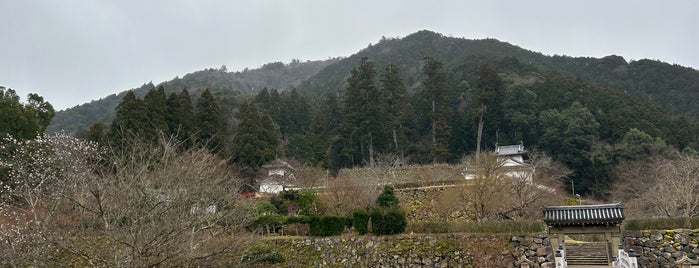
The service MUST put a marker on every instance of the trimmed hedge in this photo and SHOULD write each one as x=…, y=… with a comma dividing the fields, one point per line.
x=326, y=225
x=360, y=221
x=662, y=224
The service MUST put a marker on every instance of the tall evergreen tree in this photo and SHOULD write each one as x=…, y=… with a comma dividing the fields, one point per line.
x=436, y=89
x=395, y=101
x=180, y=115
x=155, y=102
x=297, y=114
x=364, y=117
x=209, y=122
x=490, y=97
x=131, y=120
x=256, y=142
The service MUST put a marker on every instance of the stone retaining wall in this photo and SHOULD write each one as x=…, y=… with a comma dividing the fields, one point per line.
x=443, y=250
x=663, y=248
x=653, y=248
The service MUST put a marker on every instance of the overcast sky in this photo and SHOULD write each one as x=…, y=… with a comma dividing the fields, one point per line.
x=72, y=52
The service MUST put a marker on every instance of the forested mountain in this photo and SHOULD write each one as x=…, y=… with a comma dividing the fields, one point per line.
x=427, y=98
x=272, y=75
x=673, y=87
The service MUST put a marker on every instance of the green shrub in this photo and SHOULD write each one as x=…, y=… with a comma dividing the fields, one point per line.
x=326, y=225
x=388, y=221
x=360, y=221
x=387, y=198
x=299, y=219
x=662, y=224
x=262, y=255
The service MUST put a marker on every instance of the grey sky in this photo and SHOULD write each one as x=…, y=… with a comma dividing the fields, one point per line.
x=75, y=51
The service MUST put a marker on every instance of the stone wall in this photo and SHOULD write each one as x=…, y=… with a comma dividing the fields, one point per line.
x=444, y=250
x=663, y=248
x=653, y=248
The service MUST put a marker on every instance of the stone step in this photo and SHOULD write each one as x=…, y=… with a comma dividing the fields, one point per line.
x=586, y=253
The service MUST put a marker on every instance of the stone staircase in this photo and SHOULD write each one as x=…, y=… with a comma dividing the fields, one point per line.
x=587, y=253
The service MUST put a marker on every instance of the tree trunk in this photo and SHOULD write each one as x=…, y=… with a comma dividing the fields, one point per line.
x=480, y=133
x=434, y=130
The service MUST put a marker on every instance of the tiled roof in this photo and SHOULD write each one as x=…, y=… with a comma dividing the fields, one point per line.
x=510, y=150
x=584, y=215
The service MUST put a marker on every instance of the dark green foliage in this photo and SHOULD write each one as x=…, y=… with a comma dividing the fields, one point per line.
x=256, y=141
x=97, y=133
x=326, y=225
x=439, y=101
x=360, y=221
x=397, y=108
x=209, y=122
x=387, y=198
x=155, y=102
x=388, y=217
x=489, y=101
x=288, y=110
x=131, y=121
x=388, y=221
x=363, y=128
x=303, y=202
x=180, y=115
x=23, y=121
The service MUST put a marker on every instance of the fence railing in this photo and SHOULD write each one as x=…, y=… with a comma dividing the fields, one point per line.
x=625, y=259
x=561, y=258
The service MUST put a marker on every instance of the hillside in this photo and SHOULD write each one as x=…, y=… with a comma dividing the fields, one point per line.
x=272, y=75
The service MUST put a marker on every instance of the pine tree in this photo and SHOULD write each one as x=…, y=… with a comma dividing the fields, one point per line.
x=130, y=122
x=209, y=122
x=156, y=110
x=395, y=101
x=490, y=98
x=256, y=142
x=180, y=116
x=364, y=120
x=297, y=113
x=435, y=86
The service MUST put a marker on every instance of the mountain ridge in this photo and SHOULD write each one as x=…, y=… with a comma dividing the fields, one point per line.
x=673, y=87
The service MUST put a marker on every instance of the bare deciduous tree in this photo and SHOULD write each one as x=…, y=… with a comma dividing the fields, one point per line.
x=148, y=206
x=666, y=185
x=676, y=191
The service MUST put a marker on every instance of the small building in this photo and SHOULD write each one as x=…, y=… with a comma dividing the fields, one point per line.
x=513, y=161
x=276, y=176
x=513, y=155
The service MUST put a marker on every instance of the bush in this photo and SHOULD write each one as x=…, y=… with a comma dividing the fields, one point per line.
x=662, y=224
x=360, y=221
x=388, y=221
x=326, y=225
x=387, y=198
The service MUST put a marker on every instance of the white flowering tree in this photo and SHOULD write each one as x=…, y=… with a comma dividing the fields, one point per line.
x=69, y=202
